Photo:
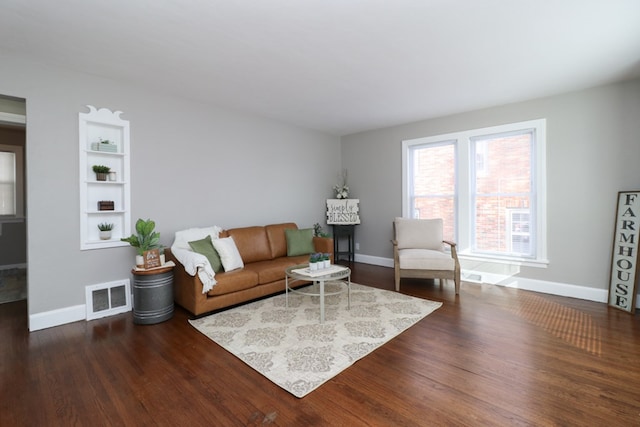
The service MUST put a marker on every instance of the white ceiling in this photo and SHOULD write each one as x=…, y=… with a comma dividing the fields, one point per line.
x=338, y=66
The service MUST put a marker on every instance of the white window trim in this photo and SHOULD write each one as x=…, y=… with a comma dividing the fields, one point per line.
x=19, y=153
x=463, y=185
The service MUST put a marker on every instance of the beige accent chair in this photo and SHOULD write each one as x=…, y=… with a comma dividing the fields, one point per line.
x=418, y=251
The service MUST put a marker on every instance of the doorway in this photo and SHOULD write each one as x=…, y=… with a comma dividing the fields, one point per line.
x=13, y=217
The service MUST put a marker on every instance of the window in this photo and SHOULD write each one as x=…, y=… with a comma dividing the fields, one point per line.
x=11, y=181
x=433, y=184
x=487, y=184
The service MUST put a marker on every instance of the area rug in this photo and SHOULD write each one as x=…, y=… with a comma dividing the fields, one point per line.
x=293, y=349
x=13, y=285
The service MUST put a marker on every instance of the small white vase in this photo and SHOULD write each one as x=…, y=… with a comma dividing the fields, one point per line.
x=105, y=235
x=313, y=266
x=139, y=261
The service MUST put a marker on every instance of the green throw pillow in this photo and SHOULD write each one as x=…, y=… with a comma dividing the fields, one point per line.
x=205, y=247
x=299, y=242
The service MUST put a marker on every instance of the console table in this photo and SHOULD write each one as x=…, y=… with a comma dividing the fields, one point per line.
x=348, y=232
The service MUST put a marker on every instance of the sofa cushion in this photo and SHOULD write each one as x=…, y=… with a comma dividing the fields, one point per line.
x=233, y=281
x=269, y=271
x=205, y=247
x=299, y=242
x=277, y=238
x=252, y=243
x=229, y=254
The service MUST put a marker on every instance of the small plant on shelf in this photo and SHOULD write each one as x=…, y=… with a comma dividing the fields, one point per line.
x=105, y=230
x=101, y=172
x=105, y=226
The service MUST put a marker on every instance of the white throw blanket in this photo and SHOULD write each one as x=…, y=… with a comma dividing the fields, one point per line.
x=195, y=263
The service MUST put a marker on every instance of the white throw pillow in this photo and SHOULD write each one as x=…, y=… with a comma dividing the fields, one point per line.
x=229, y=255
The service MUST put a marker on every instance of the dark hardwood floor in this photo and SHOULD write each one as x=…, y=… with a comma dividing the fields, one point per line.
x=491, y=356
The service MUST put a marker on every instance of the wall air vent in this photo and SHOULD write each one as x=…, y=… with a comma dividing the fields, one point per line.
x=107, y=299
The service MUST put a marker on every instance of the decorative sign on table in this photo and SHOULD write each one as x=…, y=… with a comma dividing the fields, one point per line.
x=343, y=211
x=151, y=258
x=624, y=259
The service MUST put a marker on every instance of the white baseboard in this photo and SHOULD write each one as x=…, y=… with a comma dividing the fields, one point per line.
x=12, y=266
x=552, y=288
x=49, y=319
x=374, y=260
x=73, y=314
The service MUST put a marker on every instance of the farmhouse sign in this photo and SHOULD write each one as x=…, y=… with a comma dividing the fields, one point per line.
x=343, y=211
x=624, y=259
x=151, y=258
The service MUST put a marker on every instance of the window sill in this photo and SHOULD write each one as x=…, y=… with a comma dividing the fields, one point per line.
x=521, y=262
x=12, y=219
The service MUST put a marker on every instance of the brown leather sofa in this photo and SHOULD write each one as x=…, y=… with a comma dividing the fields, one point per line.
x=264, y=252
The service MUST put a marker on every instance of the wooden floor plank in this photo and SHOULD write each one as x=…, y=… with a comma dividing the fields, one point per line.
x=489, y=356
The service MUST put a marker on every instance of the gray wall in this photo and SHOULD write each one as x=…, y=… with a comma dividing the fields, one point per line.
x=197, y=165
x=192, y=165
x=593, y=150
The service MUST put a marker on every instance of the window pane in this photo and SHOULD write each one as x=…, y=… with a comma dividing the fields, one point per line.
x=433, y=189
x=7, y=183
x=503, y=189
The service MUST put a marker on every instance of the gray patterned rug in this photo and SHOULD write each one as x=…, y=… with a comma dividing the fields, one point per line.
x=290, y=347
x=13, y=284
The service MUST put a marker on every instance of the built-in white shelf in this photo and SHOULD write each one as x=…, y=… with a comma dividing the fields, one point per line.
x=96, y=127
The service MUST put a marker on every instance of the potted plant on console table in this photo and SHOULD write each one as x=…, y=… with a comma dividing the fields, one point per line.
x=152, y=278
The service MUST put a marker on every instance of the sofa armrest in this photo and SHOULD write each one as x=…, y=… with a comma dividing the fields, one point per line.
x=324, y=245
x=187, y=289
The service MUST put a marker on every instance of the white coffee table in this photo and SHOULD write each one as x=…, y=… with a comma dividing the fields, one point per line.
x=334, y=273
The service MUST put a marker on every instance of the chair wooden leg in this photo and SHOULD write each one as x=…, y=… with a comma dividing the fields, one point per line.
x=397, y=279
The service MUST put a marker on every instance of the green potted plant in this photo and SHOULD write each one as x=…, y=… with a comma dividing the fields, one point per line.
x=326, y=258
x=105, y=230
x=144, y=240
x=101, y=172
x=318, y=231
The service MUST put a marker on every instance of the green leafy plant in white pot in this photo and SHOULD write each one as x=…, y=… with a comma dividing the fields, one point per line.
x=144, y=240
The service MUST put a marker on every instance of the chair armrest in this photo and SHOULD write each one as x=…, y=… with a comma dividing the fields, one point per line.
x=454, y=252
x=450, y=243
